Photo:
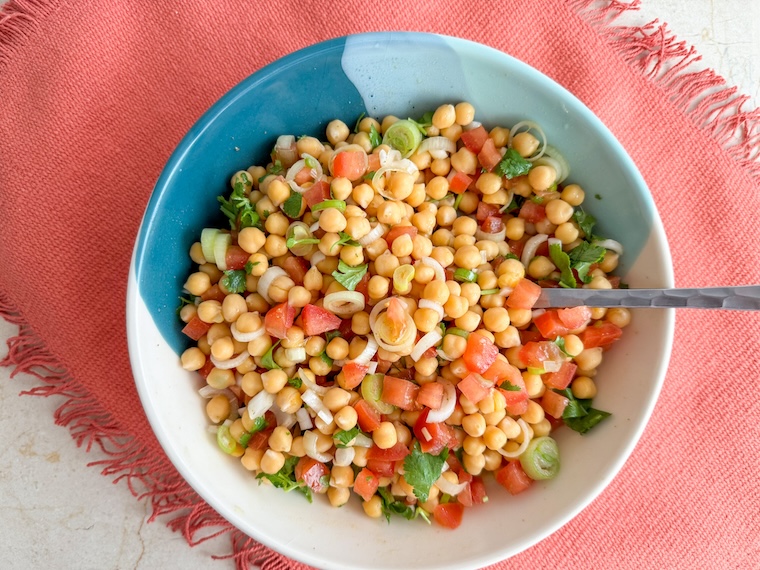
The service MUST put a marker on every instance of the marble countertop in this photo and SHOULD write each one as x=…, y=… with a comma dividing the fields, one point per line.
x=58, y=513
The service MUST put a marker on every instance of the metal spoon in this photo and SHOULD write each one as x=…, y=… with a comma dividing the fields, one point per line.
x=742, y=298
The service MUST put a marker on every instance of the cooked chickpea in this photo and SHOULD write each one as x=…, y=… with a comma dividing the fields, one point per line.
x=474, y=424
x=274, y=380
x=542, y=177
x=489, y=183
x=218, y=408
x=281, y=439
x=193, y=359
x=540, y=267
x=573, y=194
x=233, y=306
x=198, y=283
x=210, y=311
x=583, y=387
x=525, y=144
x=496, y=319
x=534, y=385
x=272, y=461
x=468, y=257
x=346, y=418
x=220, y=379
x=566, y=232
x=473, y=463
x=378, y=286
x=444, y=116
x=534, y=414
x=332, y=220
x=373, y=508
x=464, y=160
x=558, y=211
x=223, y=348
x=385, y=435
x=400, y=185
x=337, y=131
x=402, y=246
x=589, y=359
x=573, y=344
x=464, y=113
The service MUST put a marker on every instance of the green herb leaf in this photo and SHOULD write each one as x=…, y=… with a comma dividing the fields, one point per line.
x=189, y=300
x=585, y=221
x=329, y=335
x=267, y=361
x=239, y=209
x=285, y=478
x=562, y=261
x=292, y=241
x=349, y=276
x=422, y=470
x=426, y=120
x=374, y=137
x=276, y=168
x=292, y=206
x=345, y=239
x=583, y=257
x=513, y=165
x=359, y=120
x=326, y=359
x=509, y=387
x=234, y=280
x=393, y=506
x=584, y=424
x=458, y=200
x=345, y=437
x=296, y=382
x=249, y=265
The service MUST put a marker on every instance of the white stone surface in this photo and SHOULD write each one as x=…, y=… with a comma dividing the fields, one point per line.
x=57, y=513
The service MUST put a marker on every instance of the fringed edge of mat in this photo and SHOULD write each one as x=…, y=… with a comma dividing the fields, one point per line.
x=18, y=20
x=714, y=107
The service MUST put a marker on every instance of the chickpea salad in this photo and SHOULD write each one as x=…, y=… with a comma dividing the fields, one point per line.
x=365, y=325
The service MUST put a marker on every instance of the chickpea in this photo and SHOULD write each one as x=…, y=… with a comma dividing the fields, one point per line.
x=542, y=177
x=515, y=228
x=619, y=316
x=193, y=359
x=274, y=380
x=534, y=414
x=583, y=387
x=210, y=311
x=400, y=185
x=424, y=222
x=589, y=359
x=187, y=313
x=223, y=348
x=534, y=385
x=332, y=220
x=374, y=507
x=456, y=306
x=338, y=496
x=275, y=246
x=443, y=255
x=218, y=408
x=363, y=194
x=337, y=131
x=279, y=289
x=426, y=319
x=566, y=232
x=346, y=417
x=464, y=160
x=198, y=283
x=474, y=424
x=444, y=116
x=464, y=225
x=468, y=257
x=508, y=338
x=573, y=344
x=436, y=291
x=474, y=463
x=494, y=438
x=464, y=113
x=233, y=306
x=454, y=345
x=220, y=379
x=525, y=144
x=312, y=281
x=540, y=267
x=385, y=435
x=281, y=439
x=386, y=264
x=469, y=321
x=558, y=211
x=496, y=319
x=315, y=346
x=272, y=461
x=319, y=366
x=259, y=263
x=402, y=246
x=573, y=194
x=378, y=286
x=251, y=384
x=489, y=183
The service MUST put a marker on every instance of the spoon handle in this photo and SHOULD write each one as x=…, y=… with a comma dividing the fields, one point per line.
x=742, y=298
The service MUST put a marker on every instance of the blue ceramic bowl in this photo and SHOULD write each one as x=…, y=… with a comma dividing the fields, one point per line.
x=404, y=74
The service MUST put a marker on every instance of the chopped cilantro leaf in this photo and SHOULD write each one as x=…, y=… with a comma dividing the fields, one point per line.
x=393, y=506
x=239, y=209
x=562, y=261
x=329, y=335
x=292, y=241
x=583, y=257
x=579, y=415
x=374, y=136
x=292, y=206
x=267, y=361
x=359, y=120
x=426, y=120
x=345, y=239
x=249, y=265
x=349, y=276
x=422, y=470
x=189, y=300
x=275, y=168
x=512, y=165
x=345, y=437
x=296, y=382
x=585, y=221
x=285, y=478
x=509, y=387
x=234, y=280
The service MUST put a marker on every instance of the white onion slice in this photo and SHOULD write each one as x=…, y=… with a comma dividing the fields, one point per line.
x=375, y=234
x=363, y=440
x=260, y=404
x=369, y=351
x=562, y=166
x=246, y=337
x=471, y=126
x=537, y=313
x=222, y=242
x=372, y=367
x=314, y=227
x=316, y=172
x=403, y=165
x=231, y=363
x=316, y=404
x=297, y=354
x=285, y=149
x=526, y=431
x=405, y=343
x=438, y=147
x=428, y=340
x=529, y=250
x=376, y=310
x=440, y=274
x=310, y=384
x=450, y=488
x=283, y=418
x=505, y=291
x=551, y=365
x=447, y=405
x=310, y=446
x=610, y=244
x=304, y=419
x=510, y=196
x=344, y=456
x=389, y=156
x=266, y=280
x=208, y=392
x=344, y=303
x=317, y=258
x=428, y=304
x=527, y=126
x=497, y=237
x=442, y=355
x=483, y=256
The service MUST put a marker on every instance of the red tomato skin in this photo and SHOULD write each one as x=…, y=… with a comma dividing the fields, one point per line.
x=480, y=353
x=196, y=328
x=562, y=378
x=381, y=468
x=317, y=320
x=399, y=392
x=489, y=156
x=574, y=317
x=486, y=210
x=513, y=478
x=549, y=325
x=373, y=162
x=349, y=164
x=458, y=181
x=236, y=257
x=430, y=395
x=492, y=225
x=368, y=418
x=554, y=404
x=474, y=139
x=398, y=231
x=206, y=369
x=319, y=192
x=500, y=371
x=474, y=388
x=296, y=268
x=601, y=333
x=279, y=319
x=353, y=374
x=441, y=435
x=311, y=472
x=474, y=493
x=524, y=295
x=532, y=212
x=449, y=515
x=366, y=484
x=396, y=453
x=534, y=354
x=213, y=293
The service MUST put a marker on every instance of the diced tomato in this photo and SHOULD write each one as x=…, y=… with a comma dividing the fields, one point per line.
x=279, y=319
x=236, y=257
x=480, y=353
x=196, y=328
x=398, y=231
x=456, y=466
x=486, y=210
x=500, y=371
x=561, y=378
x=489, y=156
x=530, y=335
x=430, y=395
x=574, y=317
x=474, y=138
x=296, y=268
x=449, y=515
x=433, y=437
x=313, y=473
x=549, y=324
x=366, y=484
x=363, y=286
x=395, y=453
x=213, y=293
x=492, y=225
x=475, y=387
x=515, y=394
x=519, y=407
x=373, y=162
x=516, y=246
x=458, y=181
x=524, y=295
x=206, y=368
x=303, y=175
x=614, y=281
x=353, y=374
x=553, y=403
x=543, y=249
x=473, y=494
x=260, y=439
x=319, y=192
x=368, y=417
x=534, y=354
x=381, y=467
x=532, y=212
x=346, y=330
x=399, y=392
x=317, y=320
x=513, y=478
x=351, y=164
x=601, y=333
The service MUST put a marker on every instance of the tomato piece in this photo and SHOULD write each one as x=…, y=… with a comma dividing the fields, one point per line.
x=399, y=392
x=196, y=328
x=474, y=139
x=475, y=387
x=353, y=374
x=303, y=176
x=368, y=417
x=574, y=317
x=318, y=320
x=351, y=164
x=486, y=210
x=458, y=181
x=489, y=156
x=492, y=225
x=313, y=473
x=474, y=493
x=206, y=368
x=279, y=319
x=513, y=478
x=532, y=212
x=430, y=395
x=550, y=325
x=561, y=378
x=449, y=515
x=366, y=484
x=480, y=353
x=601, y=333
x=553, y=403
x=396, y=453
x=530, y=335
x=319, y=192
x=363, y=286
x=398, y=231
x=433, y=437
x=373, y=162
x=534, y=354
x=345, y=329
x=213, y=293
x=296, y=268
x=381, y=468
x=236, y=257
x=524, y=295
x=500, y=371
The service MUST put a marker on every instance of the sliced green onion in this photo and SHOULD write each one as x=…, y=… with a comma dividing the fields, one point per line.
x=338, y=204
x=539, y=371
x=402, y=279
x=372, y=389
x=541, y=459
x=458, y=332
x=458, y=200
x=225, y=440
x=326, y=359
x=208, y=235
x=465, y=275
x=404, y=136
x=489, y=292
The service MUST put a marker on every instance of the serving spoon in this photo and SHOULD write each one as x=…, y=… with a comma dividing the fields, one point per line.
x=741, y=298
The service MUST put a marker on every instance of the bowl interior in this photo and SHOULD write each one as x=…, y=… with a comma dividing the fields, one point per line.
x=405, y=74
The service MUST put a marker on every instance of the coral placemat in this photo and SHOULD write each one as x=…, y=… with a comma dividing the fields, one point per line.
x=95, y=95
